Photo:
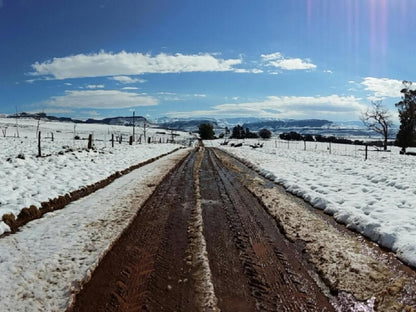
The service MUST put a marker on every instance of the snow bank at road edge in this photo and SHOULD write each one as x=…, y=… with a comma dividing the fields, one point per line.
x=407, y=255
x=9, y=223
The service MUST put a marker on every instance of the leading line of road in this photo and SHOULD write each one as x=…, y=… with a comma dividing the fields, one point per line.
x=203, y=242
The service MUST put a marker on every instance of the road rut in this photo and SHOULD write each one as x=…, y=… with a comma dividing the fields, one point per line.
x=245, y=262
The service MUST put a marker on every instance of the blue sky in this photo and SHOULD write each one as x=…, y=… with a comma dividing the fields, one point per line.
x=192, y=58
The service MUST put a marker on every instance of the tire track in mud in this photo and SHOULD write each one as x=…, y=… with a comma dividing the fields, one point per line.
x=253, y=265
x=146, y=268
x=360, y=276
x=201, y=242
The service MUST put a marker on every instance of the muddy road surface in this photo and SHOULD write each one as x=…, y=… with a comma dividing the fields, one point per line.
x=205, y=242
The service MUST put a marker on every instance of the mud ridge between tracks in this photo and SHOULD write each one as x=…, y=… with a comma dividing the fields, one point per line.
x=31, y=213
x=197, y=252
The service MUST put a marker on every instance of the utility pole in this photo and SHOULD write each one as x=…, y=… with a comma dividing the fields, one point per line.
x=133, y=126
x=144, y=130
x=172, y=135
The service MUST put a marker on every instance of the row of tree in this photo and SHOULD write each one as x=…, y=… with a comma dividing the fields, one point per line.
x=294, y=136
x=206, y=132
x=378, y=119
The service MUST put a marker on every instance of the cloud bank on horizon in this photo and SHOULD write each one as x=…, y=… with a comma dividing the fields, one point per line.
x=330, y=65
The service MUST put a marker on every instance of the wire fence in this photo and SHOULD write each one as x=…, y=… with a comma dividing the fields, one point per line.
x=352, y=150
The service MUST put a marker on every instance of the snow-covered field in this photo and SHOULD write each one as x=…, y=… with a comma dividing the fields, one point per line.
x=376, y=197
x=43, y=265
x=68, y=165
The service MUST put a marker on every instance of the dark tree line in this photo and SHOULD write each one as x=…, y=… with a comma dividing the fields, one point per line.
x=206, y=132
x=239, y=132
x=406, y=137
x=294, y=136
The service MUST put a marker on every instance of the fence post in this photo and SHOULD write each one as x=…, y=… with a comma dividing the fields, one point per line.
x=131, y=140
x=39, y=149
x=366, y=152
x=52, y=136
x=329, y=147
x=112, y=140
x=304, y=145
x=90, y=141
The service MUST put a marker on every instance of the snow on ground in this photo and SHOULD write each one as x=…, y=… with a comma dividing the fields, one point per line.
x=44, y=263
x=376, y=197
x=69, y=165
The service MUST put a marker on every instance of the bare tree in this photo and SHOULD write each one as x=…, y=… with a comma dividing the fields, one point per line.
x=378, y=119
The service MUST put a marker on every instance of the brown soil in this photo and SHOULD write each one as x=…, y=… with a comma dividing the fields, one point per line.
x=245, y=263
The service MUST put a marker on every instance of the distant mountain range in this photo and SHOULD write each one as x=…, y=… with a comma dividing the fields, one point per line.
x=275, y=125
x=304, y=126
x=120, y=121
x=254, y=124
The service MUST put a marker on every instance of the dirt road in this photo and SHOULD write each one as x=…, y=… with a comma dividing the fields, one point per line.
x=204, y=242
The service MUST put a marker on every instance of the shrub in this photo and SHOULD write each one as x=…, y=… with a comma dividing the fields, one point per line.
x=265, y=134
x=206, y=131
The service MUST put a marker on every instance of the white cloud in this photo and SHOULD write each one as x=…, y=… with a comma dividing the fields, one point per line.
x=328, y=71
x=279, y=61
x=58, y=111
x=129, y=88
x=124, y=64
x=172, y=96
x=127, y=79
x=272, y=56
x=40, y=79
x=250, y=71
x=101, y=99
x=292, y=64
x=53, y=111
x=95, y=86
x=382, y=87
x=92, y=113
x=334, y=107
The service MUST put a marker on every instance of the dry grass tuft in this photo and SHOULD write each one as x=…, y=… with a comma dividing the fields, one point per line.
x=27, y=214
x=10, y=220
